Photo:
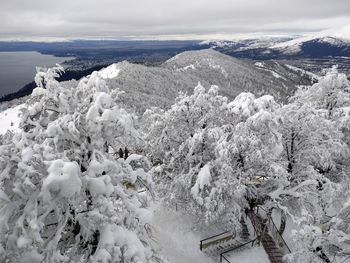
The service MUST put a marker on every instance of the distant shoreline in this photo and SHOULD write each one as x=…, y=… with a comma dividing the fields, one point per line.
x=18, y=68
x=67, y=75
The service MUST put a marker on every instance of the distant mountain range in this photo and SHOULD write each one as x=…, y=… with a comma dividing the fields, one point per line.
x=324, y=44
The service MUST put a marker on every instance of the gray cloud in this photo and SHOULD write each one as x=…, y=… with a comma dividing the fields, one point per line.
x=118, y=19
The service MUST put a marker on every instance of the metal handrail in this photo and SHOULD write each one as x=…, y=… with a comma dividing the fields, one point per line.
x=234, y=248
x=223, y=257
x=345, y=259
x=214, y=236
x=285, y=243
x=239, y=246
x=201, y=242
x=278, y=232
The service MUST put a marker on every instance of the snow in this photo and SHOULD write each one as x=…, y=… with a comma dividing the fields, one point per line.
x=187, y=67
x=109, y=72
x=203, y=179
x=3, y=196
x=276, y=75
x=175, y=238
x=53, y=129
x=288, y=231
x=134, y=157
x=32, y=257
x=174, y=58
x=251, y=255
x=339, y=32
x=333, y=36
x=312, y=75
x=100, y=185
x=10, y=118
x=246, y=105
x=216, y=66
x=259, y=64
x=112, y=235
x=27, y=154
x=63, y=180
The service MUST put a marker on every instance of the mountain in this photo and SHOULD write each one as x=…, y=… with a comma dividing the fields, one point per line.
x=319, y=45
x=314, y=47
x=145, y=87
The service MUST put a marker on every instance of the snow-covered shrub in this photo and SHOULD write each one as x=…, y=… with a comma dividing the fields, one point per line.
x=62, y=191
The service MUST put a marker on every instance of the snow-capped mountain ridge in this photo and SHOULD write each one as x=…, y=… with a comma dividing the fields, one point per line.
x=296, y=45
x=159, y=86
x=334, y=43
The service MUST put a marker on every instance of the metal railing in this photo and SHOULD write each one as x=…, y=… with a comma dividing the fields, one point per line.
x=346, y=260
x=234, y=248
x=223, y=257
x=278, y=237
x=273, y=230
x=202, y=244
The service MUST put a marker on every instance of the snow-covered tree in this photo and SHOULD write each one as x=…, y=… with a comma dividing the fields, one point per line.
x=183, y=141
x=63, y=193
x=331, y=95
x=212, y=154
x=316, y=153
x=211, y=150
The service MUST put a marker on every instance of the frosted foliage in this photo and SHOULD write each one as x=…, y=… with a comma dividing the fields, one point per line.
x=63, y=180
x=210, y=155
x=331, y=95
x=211, y=149
x=203, y=179
x=316, y=151
x=62, y=193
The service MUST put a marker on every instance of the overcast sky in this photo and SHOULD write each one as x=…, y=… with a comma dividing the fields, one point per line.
x=116, y=19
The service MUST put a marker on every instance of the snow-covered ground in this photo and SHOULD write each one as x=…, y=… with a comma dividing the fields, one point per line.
x=9, y=119
x=176, y=239
x=252, y=255
x=109, y=72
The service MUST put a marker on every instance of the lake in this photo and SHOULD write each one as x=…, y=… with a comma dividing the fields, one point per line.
x=19, y=68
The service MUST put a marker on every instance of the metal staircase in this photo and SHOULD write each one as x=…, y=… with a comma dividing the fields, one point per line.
x=244, y=235
x=220, y=244
x=266, y=232
x=274, y=250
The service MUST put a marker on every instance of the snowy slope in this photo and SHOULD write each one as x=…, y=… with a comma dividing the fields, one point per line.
x=145, y=87
x=247, y=43
x=333, y=36
x=10, y=118
x=339, y=38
